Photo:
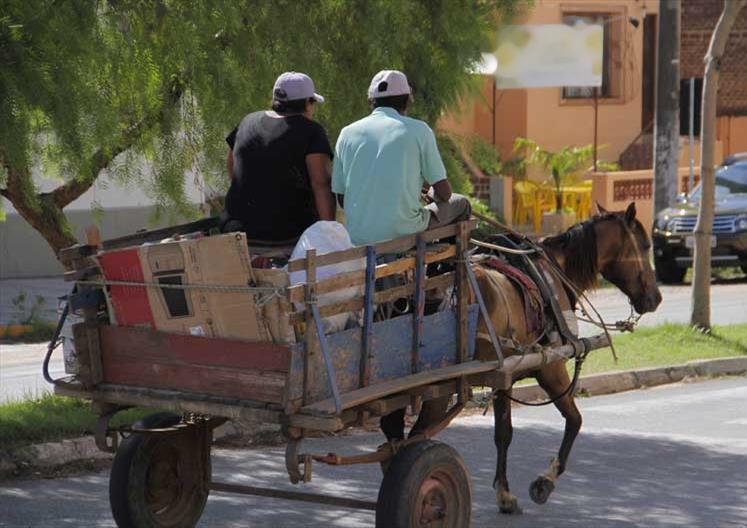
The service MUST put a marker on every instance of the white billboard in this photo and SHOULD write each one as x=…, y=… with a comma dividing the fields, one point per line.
x=532, y=56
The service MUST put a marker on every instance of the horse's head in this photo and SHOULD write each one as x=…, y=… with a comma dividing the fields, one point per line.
x=623, y=256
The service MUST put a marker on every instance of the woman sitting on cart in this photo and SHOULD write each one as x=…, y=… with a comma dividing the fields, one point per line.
x=279, y=163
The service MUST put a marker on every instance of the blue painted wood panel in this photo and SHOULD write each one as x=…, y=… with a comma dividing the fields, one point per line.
x=390, y=356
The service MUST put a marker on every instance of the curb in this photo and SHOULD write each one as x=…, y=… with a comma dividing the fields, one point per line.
x=51, y=454
x=614, y=382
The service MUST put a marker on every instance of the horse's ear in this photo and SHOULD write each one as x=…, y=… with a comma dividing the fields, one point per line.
x=600, y=209
x=630, y=213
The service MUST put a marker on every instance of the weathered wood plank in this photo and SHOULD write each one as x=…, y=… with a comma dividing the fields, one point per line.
x=193, y=350
x=177, y=401
x=391, y=246
x=159, y=234
x=380, y=390
x=438, y=282
x=356, y=278
x=264, y=386
x=388, y=357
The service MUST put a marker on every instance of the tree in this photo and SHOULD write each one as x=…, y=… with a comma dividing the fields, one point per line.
x=562, y=164
x=667, y=123
x=88, y=87
x=701, y=292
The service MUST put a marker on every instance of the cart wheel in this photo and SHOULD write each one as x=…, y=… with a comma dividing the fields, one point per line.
x=161, y=479
x=427, y=485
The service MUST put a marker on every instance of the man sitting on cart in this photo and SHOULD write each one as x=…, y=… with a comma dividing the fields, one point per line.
x=279, y=164
x=382, y=164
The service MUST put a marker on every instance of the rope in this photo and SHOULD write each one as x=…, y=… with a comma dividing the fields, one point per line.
x=502, y=249
x=267, y=293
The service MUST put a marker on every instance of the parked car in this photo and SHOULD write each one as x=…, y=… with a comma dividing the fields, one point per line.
x=673, y=229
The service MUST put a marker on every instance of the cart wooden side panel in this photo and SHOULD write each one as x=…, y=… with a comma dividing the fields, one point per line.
x=389, y=358
x=142, y=357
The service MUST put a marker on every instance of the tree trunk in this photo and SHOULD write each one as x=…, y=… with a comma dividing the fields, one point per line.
x=667, y=122
x=701, y=292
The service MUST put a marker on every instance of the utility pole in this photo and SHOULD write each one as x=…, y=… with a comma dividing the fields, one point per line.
x=667, y=120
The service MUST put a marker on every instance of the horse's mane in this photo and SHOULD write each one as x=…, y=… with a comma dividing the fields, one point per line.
x=579, y=248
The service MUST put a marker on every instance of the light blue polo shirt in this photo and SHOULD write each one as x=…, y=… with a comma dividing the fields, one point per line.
x=380, y=165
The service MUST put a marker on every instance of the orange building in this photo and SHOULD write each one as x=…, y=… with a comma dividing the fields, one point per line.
x=559, y=117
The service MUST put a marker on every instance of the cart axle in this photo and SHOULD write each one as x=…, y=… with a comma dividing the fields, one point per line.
x=294, y=495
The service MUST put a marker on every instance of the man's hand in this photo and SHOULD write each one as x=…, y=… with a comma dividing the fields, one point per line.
x=442, y=191
x=319, y=167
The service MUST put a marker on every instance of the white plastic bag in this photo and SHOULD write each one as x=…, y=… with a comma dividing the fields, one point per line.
x=326, y=237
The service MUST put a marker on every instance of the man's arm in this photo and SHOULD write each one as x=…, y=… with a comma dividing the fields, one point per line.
x=442, y=190
x=229, y=163
x=320, y=174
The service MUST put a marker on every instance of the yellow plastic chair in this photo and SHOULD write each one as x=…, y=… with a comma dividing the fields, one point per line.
x=525, y=202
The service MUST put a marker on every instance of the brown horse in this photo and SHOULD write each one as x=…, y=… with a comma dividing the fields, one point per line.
x=613, y=244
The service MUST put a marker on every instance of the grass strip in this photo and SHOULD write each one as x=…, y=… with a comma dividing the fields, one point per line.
x=668, y=344
x=50, y=418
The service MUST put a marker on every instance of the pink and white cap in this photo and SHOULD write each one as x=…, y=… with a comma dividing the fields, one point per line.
x=295, y=85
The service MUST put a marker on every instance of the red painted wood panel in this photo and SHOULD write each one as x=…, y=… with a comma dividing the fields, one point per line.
x=130, y=303
x=193, y=350
x=256, y=385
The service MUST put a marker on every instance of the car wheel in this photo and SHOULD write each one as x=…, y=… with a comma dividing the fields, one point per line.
x=668, y=272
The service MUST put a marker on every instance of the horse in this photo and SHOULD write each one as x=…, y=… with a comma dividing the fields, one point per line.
x=613, y=244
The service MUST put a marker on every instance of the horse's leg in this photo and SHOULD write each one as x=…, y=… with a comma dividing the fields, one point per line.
x=503, y=432
x=554, y=380
x=431, y=412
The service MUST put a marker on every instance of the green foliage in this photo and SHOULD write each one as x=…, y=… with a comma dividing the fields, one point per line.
x=46, y=418
x=487, y=159
x=607, y=166
x=448, y=146
x=564, y=165
x=84, y=81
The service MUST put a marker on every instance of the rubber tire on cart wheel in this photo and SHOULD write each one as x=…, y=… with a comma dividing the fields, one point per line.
x=668, y=272
x=161, y=479
x=427, y=484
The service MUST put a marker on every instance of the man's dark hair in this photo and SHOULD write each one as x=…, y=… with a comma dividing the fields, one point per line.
x=398, y=102
x=294, y=106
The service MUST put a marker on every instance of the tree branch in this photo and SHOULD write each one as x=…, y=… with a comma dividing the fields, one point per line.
x=73, y=189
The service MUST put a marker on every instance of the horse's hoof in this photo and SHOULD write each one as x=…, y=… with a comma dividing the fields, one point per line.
x=541, y=489
x=508, y=504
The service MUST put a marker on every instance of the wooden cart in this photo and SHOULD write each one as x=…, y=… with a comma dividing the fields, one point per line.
x=161, y=473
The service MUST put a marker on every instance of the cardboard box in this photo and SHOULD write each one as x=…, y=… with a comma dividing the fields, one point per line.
x=216, y=263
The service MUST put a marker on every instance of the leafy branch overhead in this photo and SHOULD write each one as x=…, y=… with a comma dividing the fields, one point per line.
x=88, y=88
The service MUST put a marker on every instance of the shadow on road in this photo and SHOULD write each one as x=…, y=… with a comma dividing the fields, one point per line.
x=614, y=480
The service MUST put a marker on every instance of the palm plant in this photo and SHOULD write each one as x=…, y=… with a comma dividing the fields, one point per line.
x=561, y=164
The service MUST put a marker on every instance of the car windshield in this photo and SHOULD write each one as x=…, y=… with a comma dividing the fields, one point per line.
x=731, y=179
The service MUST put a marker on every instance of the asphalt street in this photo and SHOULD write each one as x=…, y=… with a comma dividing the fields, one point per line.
x=664, y=457
x=20, y=371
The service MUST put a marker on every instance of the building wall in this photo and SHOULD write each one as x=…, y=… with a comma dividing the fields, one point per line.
x=698, y=20
x=555, y=123
x=542, y=115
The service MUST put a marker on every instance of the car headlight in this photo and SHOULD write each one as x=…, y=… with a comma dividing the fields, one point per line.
x=661, y=223
x=740, y=224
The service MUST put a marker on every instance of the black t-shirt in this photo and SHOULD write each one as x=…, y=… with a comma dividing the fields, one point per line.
x=270, y=194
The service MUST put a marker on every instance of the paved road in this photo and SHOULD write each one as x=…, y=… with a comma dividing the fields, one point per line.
x=728, y=305
x=666, y=457
x=20, y=370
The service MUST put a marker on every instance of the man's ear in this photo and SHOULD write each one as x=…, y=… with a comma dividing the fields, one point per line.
x=600, y=209
x=630, y=213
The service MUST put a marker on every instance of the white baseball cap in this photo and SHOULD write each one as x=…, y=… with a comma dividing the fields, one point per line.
x=388, y=83
x=295, y=85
